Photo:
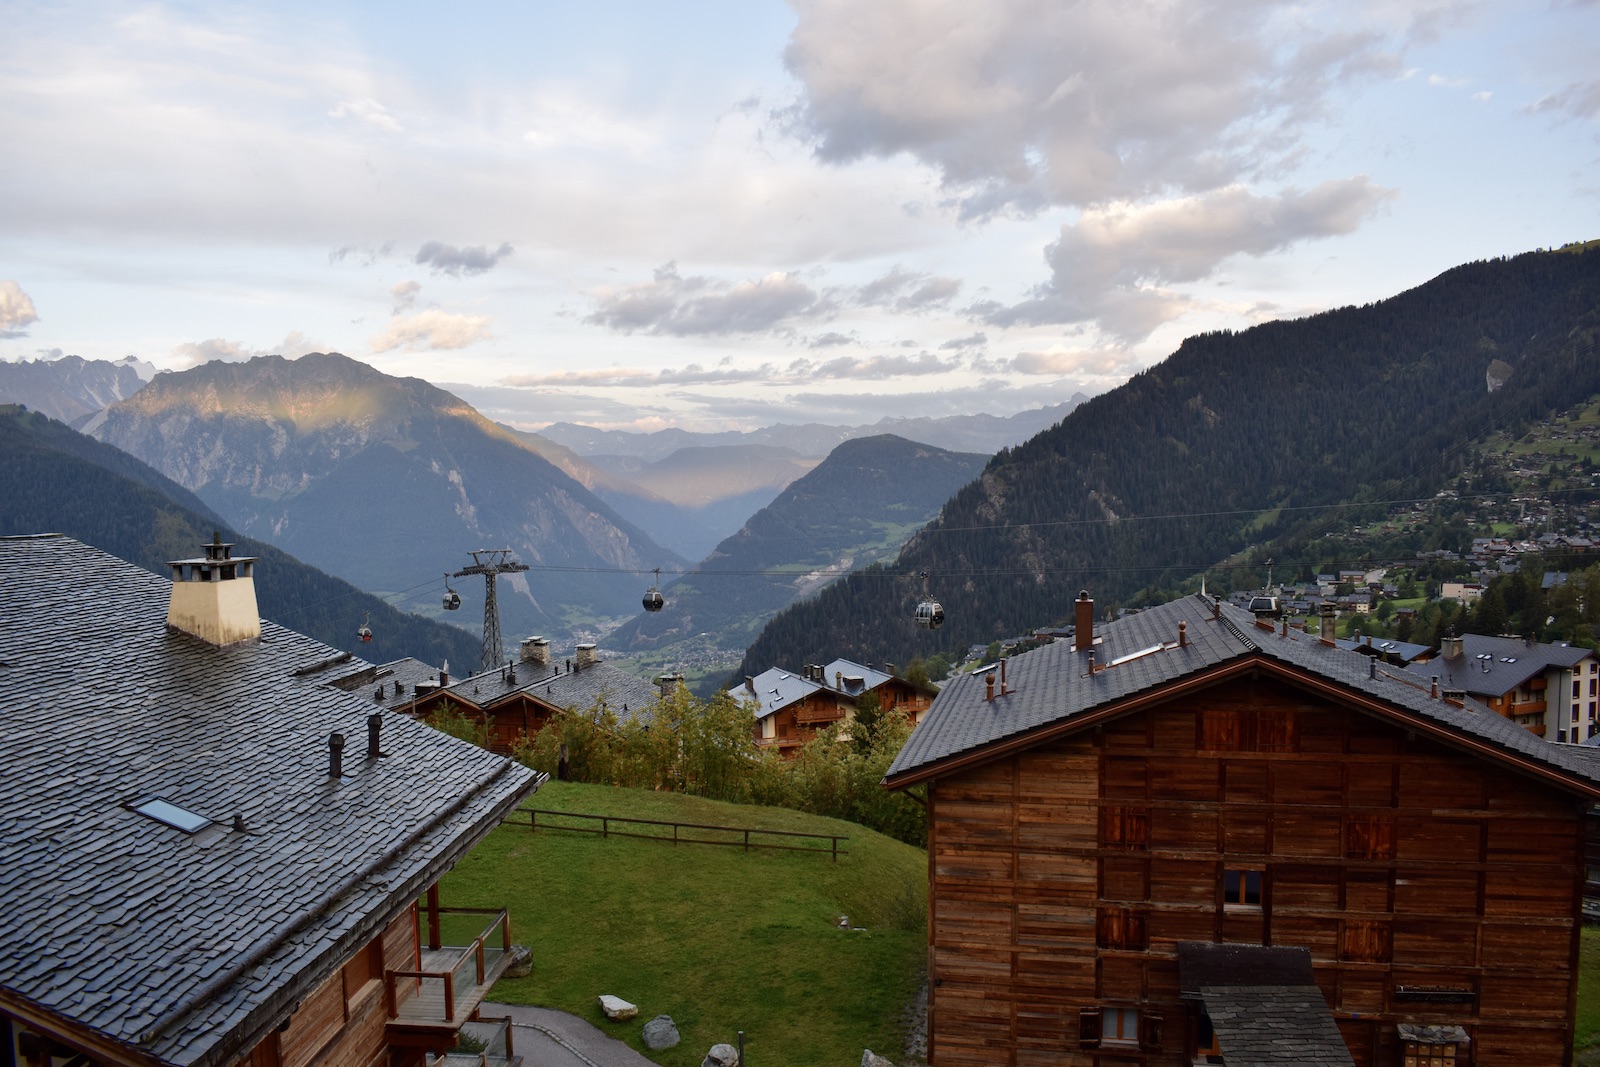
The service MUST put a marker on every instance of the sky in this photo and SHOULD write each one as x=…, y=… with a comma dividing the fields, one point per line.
x=723, y=215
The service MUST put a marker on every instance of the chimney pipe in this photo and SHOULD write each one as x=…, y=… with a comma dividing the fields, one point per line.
x=1003, y=689
x=1329, y=622
x=444, y=674
x=1183, y=634
x=1083, y=622
x=374, y=724
x=988, y=686
x=336, y=755
x=1433, y=690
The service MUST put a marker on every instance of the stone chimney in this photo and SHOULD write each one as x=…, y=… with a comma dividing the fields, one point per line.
x=1451, y=647
x=1328, y=618
x=1083, y=622
x=214, y=596
x=536, y=652
x=669, y=684
x=587, y=656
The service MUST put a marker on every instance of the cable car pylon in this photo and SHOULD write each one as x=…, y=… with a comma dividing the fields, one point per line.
x=491, y=563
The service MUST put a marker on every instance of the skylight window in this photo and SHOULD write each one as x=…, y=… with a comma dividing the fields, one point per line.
x=178, y=818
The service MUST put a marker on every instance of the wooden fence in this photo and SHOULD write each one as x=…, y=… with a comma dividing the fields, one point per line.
x=607, y=821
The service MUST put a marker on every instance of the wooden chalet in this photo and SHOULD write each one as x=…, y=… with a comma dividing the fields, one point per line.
x=1110, y=819
x=516, y=701
x=789, y=709
x=1551, y=690
x=212, y=856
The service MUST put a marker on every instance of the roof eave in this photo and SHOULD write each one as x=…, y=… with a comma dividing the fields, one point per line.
x=1206, y=677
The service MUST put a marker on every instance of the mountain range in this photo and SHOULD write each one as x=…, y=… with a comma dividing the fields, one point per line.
x=1263, y=437
x=71, y=389
x=385, y=482
x=857, y=506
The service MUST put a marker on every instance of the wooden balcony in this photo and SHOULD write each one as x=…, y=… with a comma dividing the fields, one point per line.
x=810, y=716
x=429, y=1006
x=481, y=1043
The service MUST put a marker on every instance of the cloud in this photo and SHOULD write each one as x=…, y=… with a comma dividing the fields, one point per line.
x=830, y=340
x=961, y=344
x=17, y=312
x=432, y=330
x=368, y=111
x=404, y=295
x=799, y=371
x=872, y=368
x=1113, y=264
x=194, y=353
x=1035, y=102
x=1058, y=360
x=681, y=306
x=1579, y=100
x=905, y=290
x=366, y=255
x=460, y=262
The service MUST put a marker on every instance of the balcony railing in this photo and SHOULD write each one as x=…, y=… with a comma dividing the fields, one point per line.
x=456, y=970
x=480, y=1043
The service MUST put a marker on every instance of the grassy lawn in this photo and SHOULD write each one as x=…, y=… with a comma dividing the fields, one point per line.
x=719, y=939
x=1586, y=1032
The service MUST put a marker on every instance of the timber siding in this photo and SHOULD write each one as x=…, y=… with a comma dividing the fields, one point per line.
x=1430, y=884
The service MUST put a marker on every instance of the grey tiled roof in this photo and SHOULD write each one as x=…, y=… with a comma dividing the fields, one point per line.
x=1274, y=1026
x=1407, y=651
x=576, y=690
x=840, y=670
x=773, y=690
x=189, y=948
x=1051, y=685
x=391, y=685
x=1491, y=666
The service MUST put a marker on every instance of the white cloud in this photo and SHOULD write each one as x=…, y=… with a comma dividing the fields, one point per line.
x=1023, y=103
x=905, y=290
x=17, y=312
x=459, y=262
x=431, y=330
x=404, y=295
x=194, y=353
x=368, y=111
x=697, y=305
x=1115, y=263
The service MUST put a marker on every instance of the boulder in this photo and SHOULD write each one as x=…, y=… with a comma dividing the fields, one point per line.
x=660, y=1033
x=519, y=962
x=616, y=1008
x=870, y=1058
x=721, y=1056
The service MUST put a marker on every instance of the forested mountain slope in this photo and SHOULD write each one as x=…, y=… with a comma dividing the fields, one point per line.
x=1217, y=447
x=857, y=505
x=55, y=480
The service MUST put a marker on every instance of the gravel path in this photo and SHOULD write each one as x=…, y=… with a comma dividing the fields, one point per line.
x=549, y=1038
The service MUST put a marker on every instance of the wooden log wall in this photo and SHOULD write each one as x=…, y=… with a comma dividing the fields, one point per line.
x=1063, y=878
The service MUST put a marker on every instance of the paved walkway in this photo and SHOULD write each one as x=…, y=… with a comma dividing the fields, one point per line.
x=548, y=1038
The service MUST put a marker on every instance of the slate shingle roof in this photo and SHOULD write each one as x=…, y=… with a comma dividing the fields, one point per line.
x=189, y=947
x=1492, y=666
x=576, y=690
x=1264, y=1004
x=774, y=690
x=1052, y=685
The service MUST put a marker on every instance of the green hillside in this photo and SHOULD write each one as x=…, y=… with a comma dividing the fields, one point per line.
x=56, y=480
x=718, y=938
x=1234, y=440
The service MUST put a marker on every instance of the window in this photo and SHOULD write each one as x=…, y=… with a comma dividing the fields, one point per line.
x=1119, y=1028
x=1123, y=827
x=178, y=818
x=1120, y=928
x=1576, y=692
x=1242, y=888
x=1369, y=837
x=1417, y=1054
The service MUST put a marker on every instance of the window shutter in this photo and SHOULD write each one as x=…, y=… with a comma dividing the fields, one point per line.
x=1135, y=936
x=1088, y=1027
x=1136, y=829
x=1150, y=1031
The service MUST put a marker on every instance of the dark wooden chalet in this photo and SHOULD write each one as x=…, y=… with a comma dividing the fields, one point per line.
x=210, y=855
x=1188, y=778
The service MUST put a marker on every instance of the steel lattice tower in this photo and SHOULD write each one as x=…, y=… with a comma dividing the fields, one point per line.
x=491, y=563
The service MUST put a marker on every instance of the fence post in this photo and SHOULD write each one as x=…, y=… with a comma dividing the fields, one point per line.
x=747, y=840
x=741, y=1048
x=533, y=819
x=836, y=850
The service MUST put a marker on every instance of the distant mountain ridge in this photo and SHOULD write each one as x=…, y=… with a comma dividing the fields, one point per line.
x=71, y=389
x=1235, y=440
x=856, y=506
x=957, y=433
x=56, y=480
x=386, y=482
